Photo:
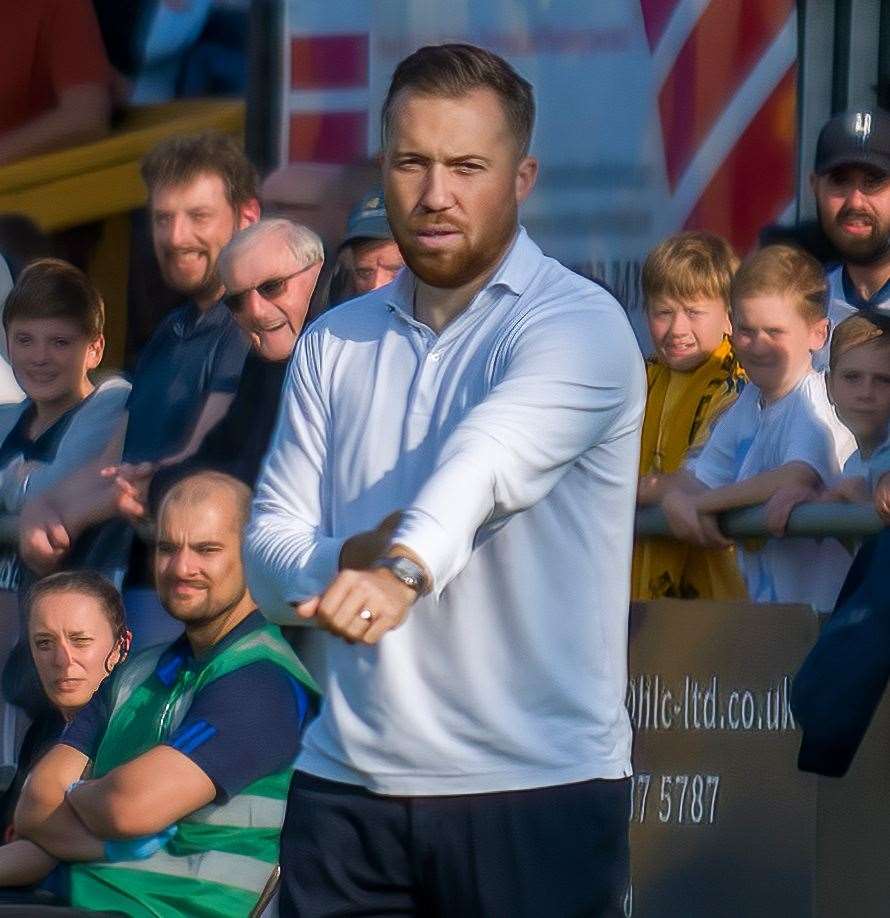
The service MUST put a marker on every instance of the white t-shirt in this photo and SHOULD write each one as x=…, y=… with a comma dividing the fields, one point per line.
x=750, y=439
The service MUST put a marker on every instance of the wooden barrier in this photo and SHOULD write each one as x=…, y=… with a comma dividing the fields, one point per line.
x=722, y=822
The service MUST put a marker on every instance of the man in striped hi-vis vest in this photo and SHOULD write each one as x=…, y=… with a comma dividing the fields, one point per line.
x=167, y=793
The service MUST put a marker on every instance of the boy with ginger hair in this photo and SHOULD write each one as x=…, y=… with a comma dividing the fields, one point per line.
x=693, y=377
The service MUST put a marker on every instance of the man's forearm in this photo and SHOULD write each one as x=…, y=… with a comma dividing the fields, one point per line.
x=90, y=802
x=81, y=117
x=61, y=834
x=23, y=863
x=757, y=490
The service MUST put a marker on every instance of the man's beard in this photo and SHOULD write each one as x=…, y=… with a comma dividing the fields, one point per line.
x=208, y=283
x=861, y=252
x=194, y=618
x=450, y=270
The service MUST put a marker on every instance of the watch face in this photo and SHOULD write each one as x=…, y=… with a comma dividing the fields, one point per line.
x=407, y=572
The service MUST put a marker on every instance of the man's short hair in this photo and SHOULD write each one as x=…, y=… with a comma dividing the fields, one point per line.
x=304, y=244
x=181, y=159
x=784, y=270
x=50, y=288
x=86, y=583
x=453, y=70
x=205, y=485
x=855, y=331
x=689, y=266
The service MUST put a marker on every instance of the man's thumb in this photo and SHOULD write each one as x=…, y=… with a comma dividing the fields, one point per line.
x=308, y=607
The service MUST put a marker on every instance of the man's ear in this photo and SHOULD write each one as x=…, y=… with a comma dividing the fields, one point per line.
x=526, y=176
x=248, y=213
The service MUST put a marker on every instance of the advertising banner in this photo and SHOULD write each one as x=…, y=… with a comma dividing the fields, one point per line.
x=723, y=824
x=653, y=115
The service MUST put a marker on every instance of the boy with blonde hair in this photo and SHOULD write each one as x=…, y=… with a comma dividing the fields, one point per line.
x=782, y=432
x=859, y=387
x=693, y=377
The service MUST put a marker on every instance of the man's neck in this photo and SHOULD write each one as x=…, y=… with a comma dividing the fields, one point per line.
x=206, y=300
x=205, y=636
x=868, y=279
x=437, y=306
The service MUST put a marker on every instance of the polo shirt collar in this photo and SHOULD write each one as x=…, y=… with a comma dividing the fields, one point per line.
x=851, y=294
x=515, y=272
x=192, y=317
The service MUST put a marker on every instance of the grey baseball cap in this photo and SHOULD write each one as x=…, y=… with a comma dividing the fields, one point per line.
x=367, y=220
x=855, y=138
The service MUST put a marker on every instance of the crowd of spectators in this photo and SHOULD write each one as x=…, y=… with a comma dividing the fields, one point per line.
x=769, y=384
x=70, y=65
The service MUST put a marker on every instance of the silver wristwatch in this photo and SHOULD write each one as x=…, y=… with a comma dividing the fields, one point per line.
x=407, y=571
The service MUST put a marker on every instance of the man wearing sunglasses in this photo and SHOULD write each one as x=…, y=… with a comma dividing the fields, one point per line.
x=269, y=270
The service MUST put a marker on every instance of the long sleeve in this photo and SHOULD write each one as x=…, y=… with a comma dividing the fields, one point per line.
x=288, y=554
x=95, y=423
x=572, y=378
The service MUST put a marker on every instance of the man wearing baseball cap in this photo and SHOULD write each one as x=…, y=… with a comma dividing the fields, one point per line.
x=375, y=257
x=851, y=181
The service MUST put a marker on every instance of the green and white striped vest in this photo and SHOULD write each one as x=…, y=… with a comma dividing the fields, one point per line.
x=218, y=862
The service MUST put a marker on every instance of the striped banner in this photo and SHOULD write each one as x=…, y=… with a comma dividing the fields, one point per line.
x=328, y=98
x=726, y=80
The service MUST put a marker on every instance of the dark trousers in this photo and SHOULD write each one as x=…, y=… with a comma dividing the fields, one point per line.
x=553, y=852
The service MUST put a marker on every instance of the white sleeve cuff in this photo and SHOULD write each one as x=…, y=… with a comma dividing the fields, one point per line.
x=428, y=540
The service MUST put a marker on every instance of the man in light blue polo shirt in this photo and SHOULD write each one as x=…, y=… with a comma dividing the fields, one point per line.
x=472, y=754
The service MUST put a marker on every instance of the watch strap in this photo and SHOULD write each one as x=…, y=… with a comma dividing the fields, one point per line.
x=406, y=570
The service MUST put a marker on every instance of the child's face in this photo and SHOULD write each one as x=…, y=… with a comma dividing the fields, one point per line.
x=50, y=359
x=774, y=342
x=859, y=386
x=686, y=333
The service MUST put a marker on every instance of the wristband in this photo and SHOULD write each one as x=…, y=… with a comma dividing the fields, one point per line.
x=137, y=849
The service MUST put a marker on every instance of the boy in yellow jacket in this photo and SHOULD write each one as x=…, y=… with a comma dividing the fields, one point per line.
x=693, y=377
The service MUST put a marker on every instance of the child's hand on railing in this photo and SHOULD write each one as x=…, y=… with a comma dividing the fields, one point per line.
x=780, y=505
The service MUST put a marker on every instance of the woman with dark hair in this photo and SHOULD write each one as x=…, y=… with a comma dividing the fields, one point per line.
x=77, y=635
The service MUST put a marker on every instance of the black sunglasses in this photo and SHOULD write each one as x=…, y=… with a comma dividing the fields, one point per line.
x=269, y=289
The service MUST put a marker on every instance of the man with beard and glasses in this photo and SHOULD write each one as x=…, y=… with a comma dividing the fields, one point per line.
x=202, y=190
x=851, y=182
x=472, y=753
x=189, y=747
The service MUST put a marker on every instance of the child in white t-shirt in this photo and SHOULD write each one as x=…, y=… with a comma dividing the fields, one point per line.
x=781, y=434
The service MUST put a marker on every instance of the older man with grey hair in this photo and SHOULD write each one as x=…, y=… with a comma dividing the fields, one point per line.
x=269, y=270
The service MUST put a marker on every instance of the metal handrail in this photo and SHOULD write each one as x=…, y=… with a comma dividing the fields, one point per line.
x=812, y=520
